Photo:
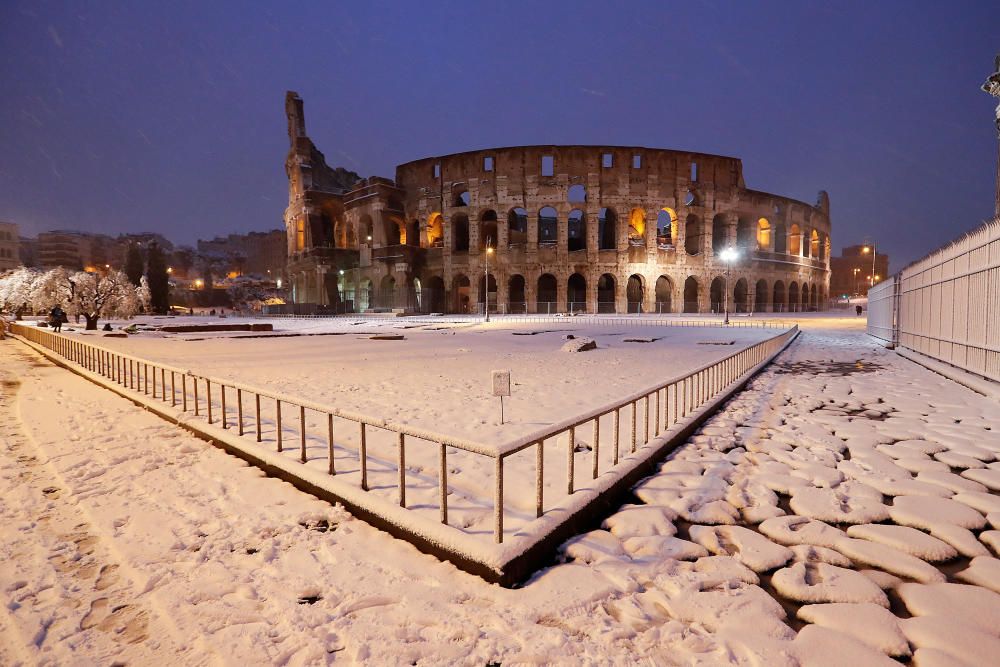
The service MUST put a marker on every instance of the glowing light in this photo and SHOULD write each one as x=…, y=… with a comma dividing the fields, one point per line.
x=170, y=269
x=199, y=283
x=729, y=254
x=866, y=250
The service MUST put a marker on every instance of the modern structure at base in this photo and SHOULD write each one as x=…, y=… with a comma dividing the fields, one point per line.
x=532, y=229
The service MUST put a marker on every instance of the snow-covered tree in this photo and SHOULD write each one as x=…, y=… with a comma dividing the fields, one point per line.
x=92, y=295
x=16, y=290
x=247, y=295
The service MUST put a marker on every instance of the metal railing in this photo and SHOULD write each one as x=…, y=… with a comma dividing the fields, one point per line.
x=280, y=420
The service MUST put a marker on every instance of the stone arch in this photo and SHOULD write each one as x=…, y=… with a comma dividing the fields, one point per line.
x=637, y=227
x=300, y=235
x=634, y=290
x=340, y=233
x=386, y=292
x=780, y=237
x=459, y=196
x=744, y=233
x=760, y=295
x=491, y=293
x=691, y=290
x=576, y=228
x=461, y=293
x=607, y=229
x=435, y=231
x=763, y=234
x=778, y=303
x=547, y=293
x=666, y=227
x=434, y=296
x=720, y=234
x=460, y=232
x=488, y=229
x=606, y=293
x=548, y=231
x=517, y=227
x=576, y=293
x=365, y=229
x=664, y=294
x=692, y=198
x=741, y=296
x=794, y=241
x=716, y=295
x=577, y=194
x=814, y=245
x=517, y=302
x=366, y=296
x=693, y=235
x=793, y=297
x=394, y=229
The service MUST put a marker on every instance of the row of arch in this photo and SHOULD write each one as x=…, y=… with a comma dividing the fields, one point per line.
x=750, y=235
x=608, y=296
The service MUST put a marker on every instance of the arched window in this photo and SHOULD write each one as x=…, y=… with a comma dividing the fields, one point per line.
x=691, y=295
x=760, y=295
x=576, y=231
x=577, y=194
x=780, y=236
x=666, y=228
x=778, y=304
x=664, y=294
x=794, y=243
x=547, y=226
x=692, y=199
x=461, y=297
x=744, y=233
x=460, y=196
x=460, y=232
x=637, y=227
x=386, y=297
x=606, y=293
x=814, y=245
x=607, y=229
x=517, y=227
x=720, y=234
x=716, y=295
x=576, y=293
x=692, y=235
x=633, y=293
x=435, y=231
x=741, y=296
x=763, y=234
x=435, y=295
x=300, y=235
x=395, y=231
x=488, y=229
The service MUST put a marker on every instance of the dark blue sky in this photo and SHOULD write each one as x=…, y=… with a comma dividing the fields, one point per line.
x=169, y=117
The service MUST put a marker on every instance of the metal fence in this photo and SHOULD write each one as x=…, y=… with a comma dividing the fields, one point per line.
x=336, y=437
x=947, y=305
x=882, y=303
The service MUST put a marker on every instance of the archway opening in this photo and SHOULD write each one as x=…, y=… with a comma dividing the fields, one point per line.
x=461, y=297
x=778, y=303
x=576, y=294
x=576, y=231
x=607, y=229
x=386, y=293
x=517, y=227
x=577, y=194
x=692, y=235
x=760, y=295
x=435, y=231
x=487, y=292
x=793, y=298
x=460, y=197
x=637, y=227
x=720, y=234
x=794, y=241
x=516, y=301
x=716, y=295
x=691, y=295
x=664, y=294
x=460, y=232
x=547, y=294
x=741, y=302
x=606, y=293
x=744, y=234
x=666, y=228
x=763, y=234
x=488, y=229
x=435, y=295
x=814, y=245
x=547, y=226
x=633, y=294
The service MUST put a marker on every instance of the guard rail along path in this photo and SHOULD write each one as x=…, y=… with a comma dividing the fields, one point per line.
x=328, y=452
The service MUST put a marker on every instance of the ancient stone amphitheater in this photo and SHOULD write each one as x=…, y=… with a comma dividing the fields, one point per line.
x=536, y=229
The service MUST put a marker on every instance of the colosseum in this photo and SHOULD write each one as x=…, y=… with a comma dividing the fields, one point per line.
x=548, y=229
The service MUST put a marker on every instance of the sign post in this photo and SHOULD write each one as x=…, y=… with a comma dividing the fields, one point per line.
x=501, y=387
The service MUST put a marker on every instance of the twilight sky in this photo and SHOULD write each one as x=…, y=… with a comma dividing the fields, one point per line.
x=169, y=117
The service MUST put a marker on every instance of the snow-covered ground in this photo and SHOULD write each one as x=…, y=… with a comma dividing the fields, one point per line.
x=843, y=509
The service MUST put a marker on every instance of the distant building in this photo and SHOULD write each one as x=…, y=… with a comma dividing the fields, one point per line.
x=10, y=242
x=29, y=251
x=851, y=273
x=257, y=253
x=75, y=250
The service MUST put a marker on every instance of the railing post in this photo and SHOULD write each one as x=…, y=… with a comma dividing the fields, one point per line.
x=570, y=459
x=222, y=390
x=635, y=418
x=402, y=469
x=302, y=432
x=256, y=397
x=645, y=420
x=498, y=502
x=208, y=398
x=539, y=476
x=239, y=411
x=329, y=443
x=194, y=382
x=596, y=448
x=618, y=416
x=163, y=384
x=443, y=481
x=363, y=456
x=145, y=378
x=277, y=405
x=656, y=423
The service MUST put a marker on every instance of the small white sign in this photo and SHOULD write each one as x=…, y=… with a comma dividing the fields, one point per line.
x=501, y=383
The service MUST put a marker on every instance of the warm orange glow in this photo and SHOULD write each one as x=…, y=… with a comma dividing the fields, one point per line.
x=170, y=269
x=199, y=283
x=673, y=224
x=814, y=244
x=300, y=235
x=435, y=230
x=794, y=240
x=866, y=250
x=637, y=224
x=233, y=274
x=90, y=269
x=763, y=234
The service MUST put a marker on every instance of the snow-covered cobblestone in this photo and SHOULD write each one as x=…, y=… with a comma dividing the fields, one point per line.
x=830, y=514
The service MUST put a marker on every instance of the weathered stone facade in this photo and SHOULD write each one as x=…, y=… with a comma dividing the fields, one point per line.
x=570, y=228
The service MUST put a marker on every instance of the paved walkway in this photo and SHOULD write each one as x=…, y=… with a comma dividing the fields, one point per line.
x=834, y=513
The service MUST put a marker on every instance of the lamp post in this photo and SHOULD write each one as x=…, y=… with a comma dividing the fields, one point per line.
x=874, y=253
x=856, y=271
x=486, y=280
x=728, y=255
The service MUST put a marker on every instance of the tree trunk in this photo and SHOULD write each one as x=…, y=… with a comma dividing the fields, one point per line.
x=91, y=323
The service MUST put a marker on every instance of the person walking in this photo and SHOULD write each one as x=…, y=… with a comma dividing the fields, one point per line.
x=858, y=309
x=56, y=317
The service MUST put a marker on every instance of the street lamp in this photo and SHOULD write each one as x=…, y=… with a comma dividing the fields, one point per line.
x=728, y=256
x=874, y=253
x=486, y=280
